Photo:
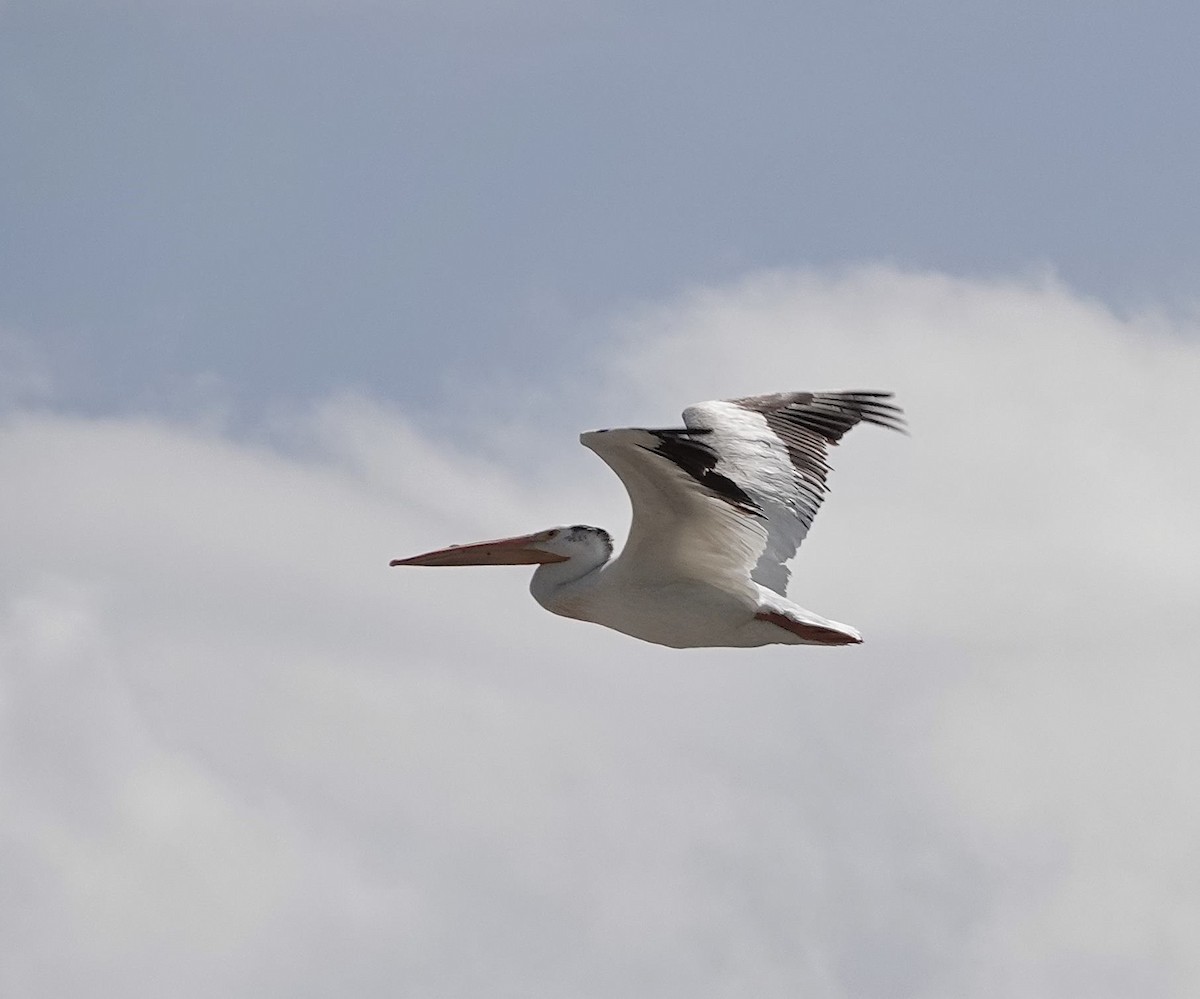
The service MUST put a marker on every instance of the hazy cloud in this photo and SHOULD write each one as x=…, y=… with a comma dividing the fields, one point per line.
x=241, y=756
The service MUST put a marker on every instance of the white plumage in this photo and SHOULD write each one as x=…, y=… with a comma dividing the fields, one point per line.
x=719, y=508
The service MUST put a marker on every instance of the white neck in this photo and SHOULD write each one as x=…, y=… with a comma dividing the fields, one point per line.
x=563, y=587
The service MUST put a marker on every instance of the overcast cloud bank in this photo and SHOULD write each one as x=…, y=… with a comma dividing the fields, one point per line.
x=241, y=756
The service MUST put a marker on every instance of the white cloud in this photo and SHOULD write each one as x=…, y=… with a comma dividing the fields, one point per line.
x=243, y=757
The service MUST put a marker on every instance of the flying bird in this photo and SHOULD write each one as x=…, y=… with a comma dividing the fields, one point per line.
x=720, y=506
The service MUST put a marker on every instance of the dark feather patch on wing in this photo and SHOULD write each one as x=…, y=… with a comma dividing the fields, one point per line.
x=808, y=423
x=687, y=452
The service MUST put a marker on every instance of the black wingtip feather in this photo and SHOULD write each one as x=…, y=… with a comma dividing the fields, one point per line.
x=809, y=423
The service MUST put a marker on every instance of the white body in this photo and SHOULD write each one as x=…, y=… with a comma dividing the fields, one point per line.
x=684, y=614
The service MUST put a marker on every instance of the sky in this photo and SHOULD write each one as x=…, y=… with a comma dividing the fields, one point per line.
x=288, y=289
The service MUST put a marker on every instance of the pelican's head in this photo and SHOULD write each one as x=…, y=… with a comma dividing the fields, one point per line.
x=558, y=544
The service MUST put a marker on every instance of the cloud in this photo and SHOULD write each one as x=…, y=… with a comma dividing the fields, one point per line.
x=242, y=756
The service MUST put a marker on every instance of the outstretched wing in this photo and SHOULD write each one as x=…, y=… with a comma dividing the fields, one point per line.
x=730, y=498
x=776, y=447
x=691, y=522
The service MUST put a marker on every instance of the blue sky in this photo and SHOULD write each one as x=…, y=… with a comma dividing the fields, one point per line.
x=289, y=289
x=289, y=198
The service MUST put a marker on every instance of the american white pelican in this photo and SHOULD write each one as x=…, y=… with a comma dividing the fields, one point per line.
x=719, y=507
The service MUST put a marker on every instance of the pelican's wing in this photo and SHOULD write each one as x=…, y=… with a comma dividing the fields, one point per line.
x=691, y=522
x=774, y=447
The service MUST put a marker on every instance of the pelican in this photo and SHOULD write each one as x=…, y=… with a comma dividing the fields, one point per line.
x=720, y=506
